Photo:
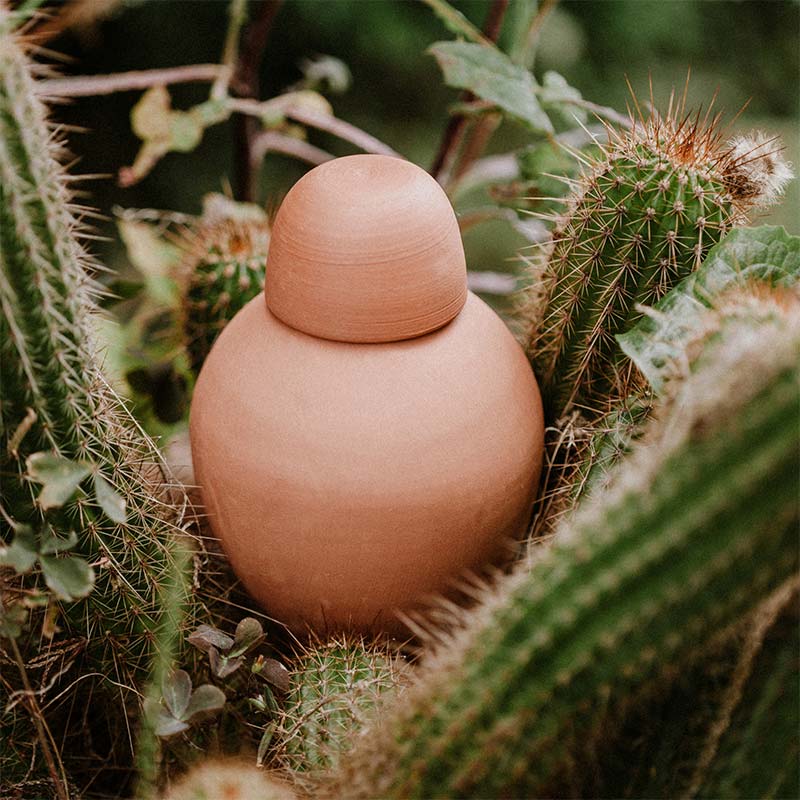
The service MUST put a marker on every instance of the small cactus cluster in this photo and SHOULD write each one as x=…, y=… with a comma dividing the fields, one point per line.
x=56, y=398
x=223, y=268
x=332, y=685
x=695, y=531
x=229, y=780
x=643, y=216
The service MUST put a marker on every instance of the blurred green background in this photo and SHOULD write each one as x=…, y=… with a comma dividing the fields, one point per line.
x=740, y=50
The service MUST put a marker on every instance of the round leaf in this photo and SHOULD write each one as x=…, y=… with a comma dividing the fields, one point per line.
x=68, y=578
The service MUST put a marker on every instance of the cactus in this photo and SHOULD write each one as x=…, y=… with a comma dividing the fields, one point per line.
x=331, y=686
x=695, y=531
x=641, y=218
x=758, y=751
x=56, y=398
x=224, y=268
x=229, y=780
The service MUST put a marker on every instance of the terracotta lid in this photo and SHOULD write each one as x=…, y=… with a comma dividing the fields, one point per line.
x=366, y=248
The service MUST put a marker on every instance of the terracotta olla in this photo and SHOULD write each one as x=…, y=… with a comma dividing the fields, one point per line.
x=372, y=431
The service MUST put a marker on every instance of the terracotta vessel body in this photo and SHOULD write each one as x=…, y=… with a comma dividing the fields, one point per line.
x=348, y=481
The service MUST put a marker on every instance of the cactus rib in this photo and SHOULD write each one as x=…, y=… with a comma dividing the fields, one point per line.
x=641, y=218
x=692, y=534
x=50, y=366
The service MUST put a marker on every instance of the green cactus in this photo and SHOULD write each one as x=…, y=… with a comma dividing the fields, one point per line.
x=55, y=398
x=331, y=686
x=641, y=218
x=224, y=268
x=758, y=751
x=695, y=531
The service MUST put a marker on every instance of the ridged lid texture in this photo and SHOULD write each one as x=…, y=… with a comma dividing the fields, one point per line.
x=366, y=248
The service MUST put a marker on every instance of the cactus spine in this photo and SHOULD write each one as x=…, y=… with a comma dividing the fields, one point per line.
x=332, y=685
x=51, y=375
x=224, y=268
x=641, y=218
x=694, y=532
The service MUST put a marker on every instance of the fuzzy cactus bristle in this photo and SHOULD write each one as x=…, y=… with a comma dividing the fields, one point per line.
x=643, y=215
x=332, y=686
x=55, y=397
x=230, y=779
x=223, y=268
x=694, y=532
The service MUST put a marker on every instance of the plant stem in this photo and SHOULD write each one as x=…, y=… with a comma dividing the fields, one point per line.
x=532, y=37
x=95, y=85
x=457, y=124
x=54, y=764
x=272, y=141
x=245, y=83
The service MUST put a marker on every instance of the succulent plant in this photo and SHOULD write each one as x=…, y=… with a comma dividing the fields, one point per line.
x=231, y=779
x=55, y=398
x=223, y=268
x=642, y=216
x=332, y=685
x=694, y=532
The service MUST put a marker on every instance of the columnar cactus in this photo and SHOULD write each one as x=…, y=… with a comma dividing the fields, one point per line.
x=55, y=397
x=331, y=687
x=642, y=216
x=695, y=531
x=224, y=268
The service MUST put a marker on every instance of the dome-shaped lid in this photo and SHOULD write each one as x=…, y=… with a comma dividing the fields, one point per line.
x=366, y=248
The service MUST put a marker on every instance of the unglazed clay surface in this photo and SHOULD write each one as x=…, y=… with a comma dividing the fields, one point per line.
x=348, y=481
x=366, y=249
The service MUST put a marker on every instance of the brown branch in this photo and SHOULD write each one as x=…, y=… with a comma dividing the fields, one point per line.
x=274, y=142
x=95, y=85
x=246, y=84
x=338, y=127
x=457, y=125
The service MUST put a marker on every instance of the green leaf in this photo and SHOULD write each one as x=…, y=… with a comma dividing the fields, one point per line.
x=59, y=476
x=204, y=699
x=263, y=745
x=109, y=499
x=558, y=100
x=455, y=21
x=205, y=637
x=12, y=620
x=68, y=578
x=186, y=131
x=223, y=665
x=177, y=692
x=166, y=725
x=150, y=117
x=492, y=76
x=21, y=554
x=50, y=543
x=767, y=254
x=248, y=633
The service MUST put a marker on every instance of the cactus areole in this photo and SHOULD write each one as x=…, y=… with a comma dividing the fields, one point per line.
x=372, y=432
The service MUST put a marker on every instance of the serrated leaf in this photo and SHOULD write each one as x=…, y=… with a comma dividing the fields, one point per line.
x=177, y=691
x=59, y=476
x=492, y=76
x=767, y=254
x=109, y=499
x=22, y=553
x=50, y=542
x=204, y=637
x=150, y=117
x=204, y=699
x=248, y=633
x=68, y=578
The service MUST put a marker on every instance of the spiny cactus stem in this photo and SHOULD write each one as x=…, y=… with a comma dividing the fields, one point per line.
x=693, y=534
